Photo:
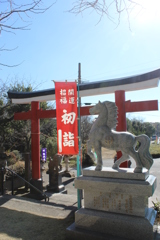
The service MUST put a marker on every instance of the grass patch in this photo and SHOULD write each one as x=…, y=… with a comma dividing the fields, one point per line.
x=154, y=148
x=156, y=206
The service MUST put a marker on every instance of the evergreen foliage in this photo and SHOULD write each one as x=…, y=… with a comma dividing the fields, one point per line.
x=137, y=127
x=16, y=135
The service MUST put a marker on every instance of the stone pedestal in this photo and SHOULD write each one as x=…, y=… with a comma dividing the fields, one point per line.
x=115, y=205
x=55, y=182
x=55, y=175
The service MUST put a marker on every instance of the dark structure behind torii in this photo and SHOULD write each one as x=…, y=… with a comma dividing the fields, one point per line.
x=117, y=86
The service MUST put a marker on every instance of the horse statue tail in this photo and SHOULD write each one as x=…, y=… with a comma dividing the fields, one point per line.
x=143, y=151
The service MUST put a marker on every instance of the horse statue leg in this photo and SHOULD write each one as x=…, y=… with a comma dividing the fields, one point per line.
x=130, y=152
x=97, y=147
x=120, y=160
x=135, y=155
x=89, y=151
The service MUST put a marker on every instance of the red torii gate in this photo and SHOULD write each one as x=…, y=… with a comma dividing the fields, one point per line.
x=36, y=114
x=116, y=86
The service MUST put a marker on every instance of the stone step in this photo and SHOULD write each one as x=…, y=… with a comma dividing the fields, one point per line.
x=59, y=205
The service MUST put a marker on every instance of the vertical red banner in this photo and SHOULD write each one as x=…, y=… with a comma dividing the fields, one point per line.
x=66, y=112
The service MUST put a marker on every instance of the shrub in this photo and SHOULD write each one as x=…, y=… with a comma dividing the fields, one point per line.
x=156, y=206
x=18, y=167
x=51, y=147
x=17, y=154
x=11, y=159
x=86, y=159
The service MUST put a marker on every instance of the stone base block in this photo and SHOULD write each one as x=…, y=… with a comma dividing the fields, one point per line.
x=117, y=225
x=121, y=173
x=115, y=205
x=122, y=196
x=116, y=202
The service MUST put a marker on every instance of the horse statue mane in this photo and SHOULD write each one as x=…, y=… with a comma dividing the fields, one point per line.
x=112, y=114
x=102, y=134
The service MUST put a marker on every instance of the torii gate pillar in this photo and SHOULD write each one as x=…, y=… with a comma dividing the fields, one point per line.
x=122, y=124
x=34, y=115
x=35, y=141
x=35, y=149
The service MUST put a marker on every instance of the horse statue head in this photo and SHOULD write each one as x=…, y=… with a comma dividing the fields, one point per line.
x=107, y=112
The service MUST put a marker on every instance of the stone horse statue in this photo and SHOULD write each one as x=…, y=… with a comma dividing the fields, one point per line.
x=102, y=134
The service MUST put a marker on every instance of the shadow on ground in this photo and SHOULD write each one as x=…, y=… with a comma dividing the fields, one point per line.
x=25, y=226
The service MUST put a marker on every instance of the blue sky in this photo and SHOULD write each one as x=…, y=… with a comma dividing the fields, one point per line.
x=58, y=41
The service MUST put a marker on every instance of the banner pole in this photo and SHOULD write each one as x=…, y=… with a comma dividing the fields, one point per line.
x=79, y=191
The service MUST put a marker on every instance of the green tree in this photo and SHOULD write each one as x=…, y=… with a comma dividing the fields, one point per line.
x=12, y=131
x=17, y=134
x=129, y=125
x=48, y=137
x=138, y=127
x=157, y=128
x=86, y=124
x=51, y=145
x=149, y=129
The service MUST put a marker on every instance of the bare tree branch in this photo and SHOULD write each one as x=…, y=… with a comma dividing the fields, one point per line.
x=102, y=7
x=6, y=49
x=15, y=15
x=7, y=65
x=10, y=8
